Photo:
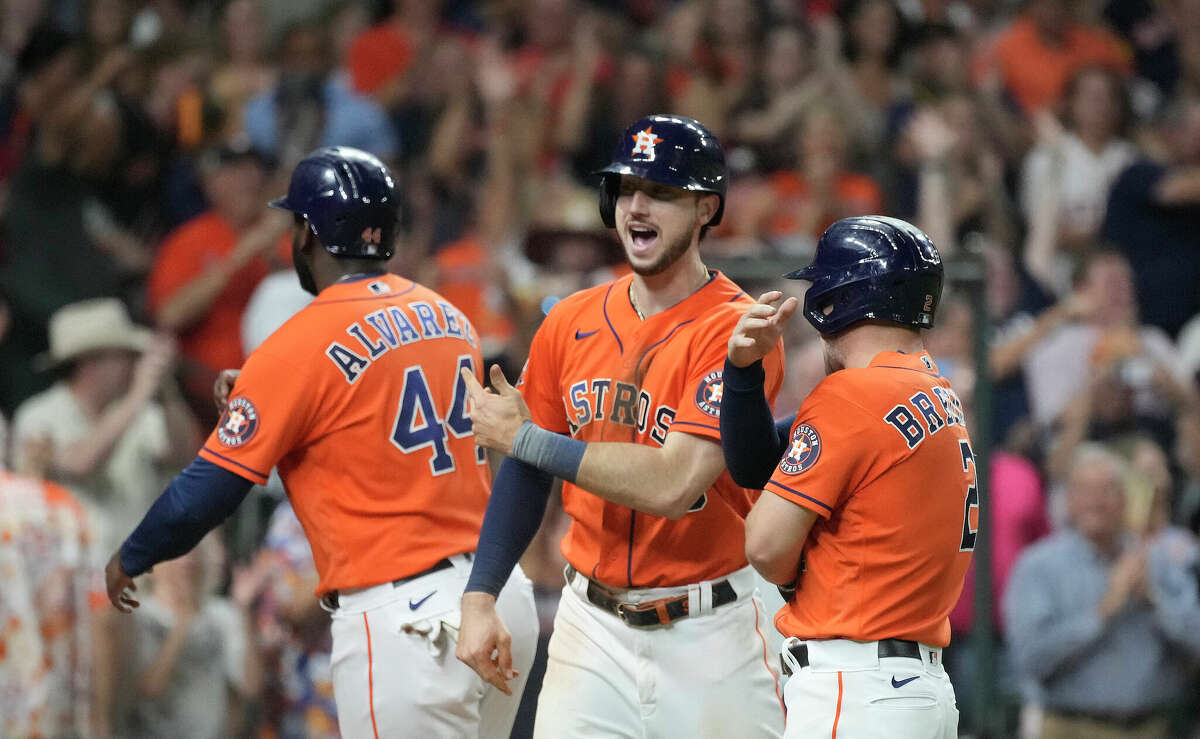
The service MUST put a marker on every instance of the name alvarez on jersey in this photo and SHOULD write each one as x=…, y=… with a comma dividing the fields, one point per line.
x=391, y=327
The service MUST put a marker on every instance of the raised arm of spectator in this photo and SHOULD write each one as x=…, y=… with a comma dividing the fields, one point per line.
x=183, y=431
x=453, y=127
x=934, y=141
x=1174, y=592
x=1041, y=242
x=570, y=128
x=85, y=456
x=498, y=198
x=74, y=106
x=1006, y=357
x=782, y=112
x=1179, y=187
x=189, y=303
x=1076, y=420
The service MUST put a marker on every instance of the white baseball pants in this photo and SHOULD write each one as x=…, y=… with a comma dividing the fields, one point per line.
x=394, y=669
x=707, y=675
x=848, y=692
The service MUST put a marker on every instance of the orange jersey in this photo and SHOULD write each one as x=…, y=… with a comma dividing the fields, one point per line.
x=358, y=402
x=596, y=370
x=882, y=456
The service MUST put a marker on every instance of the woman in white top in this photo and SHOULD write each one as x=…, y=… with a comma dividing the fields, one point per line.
x=1076, y=163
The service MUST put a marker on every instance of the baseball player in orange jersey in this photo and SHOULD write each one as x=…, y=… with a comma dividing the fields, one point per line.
x=871, y=508
x=358, y=401
x=660, y=631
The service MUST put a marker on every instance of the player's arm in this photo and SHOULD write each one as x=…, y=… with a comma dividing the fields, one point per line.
x=751, y=441
x=198, y=499
x=663, y=481
x=514, y=513
x=775, y=532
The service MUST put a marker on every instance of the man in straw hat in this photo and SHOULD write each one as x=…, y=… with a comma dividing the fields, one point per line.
x=110, y=427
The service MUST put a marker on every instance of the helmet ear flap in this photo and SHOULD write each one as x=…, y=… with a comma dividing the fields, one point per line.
x=609, y=189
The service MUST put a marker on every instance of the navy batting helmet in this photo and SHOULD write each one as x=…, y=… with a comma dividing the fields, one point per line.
x=872, y=267
x=348, y=198
x=668, y=149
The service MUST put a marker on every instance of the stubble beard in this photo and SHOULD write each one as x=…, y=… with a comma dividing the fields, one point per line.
x=668, y=257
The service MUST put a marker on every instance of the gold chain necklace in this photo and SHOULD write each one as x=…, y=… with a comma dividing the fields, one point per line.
x=633, y=302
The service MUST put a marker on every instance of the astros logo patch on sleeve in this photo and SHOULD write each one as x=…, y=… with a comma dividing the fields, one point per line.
x=803, y=451
x=708, y=395
x=238, y=422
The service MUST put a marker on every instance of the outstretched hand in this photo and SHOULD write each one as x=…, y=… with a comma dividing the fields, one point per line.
x=119, y=585
x=759, y=329
x=496, y=413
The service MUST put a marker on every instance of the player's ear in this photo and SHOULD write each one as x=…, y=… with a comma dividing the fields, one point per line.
x=706, y=207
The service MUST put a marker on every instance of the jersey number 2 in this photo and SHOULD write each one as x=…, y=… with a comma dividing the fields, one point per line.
x=969, y=534
x=418, y=424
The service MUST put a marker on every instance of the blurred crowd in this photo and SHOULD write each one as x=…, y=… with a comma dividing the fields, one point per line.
x=1051, y=149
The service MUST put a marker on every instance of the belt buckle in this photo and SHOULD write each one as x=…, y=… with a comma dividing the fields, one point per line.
x=659, y=606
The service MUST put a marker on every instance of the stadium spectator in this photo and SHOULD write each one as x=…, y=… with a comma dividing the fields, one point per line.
x=1109, y=338
x=207, y=268
x=53, y=619
x=1038, y=52
x=291, y=631
x=195, y=662
x=1098, y=600
x=1080, y=159
x=61, y=244
x=1153, y=217
x=114, y=426
x=243, y=71
x=822, y=188
x=309, y=106
x=766, y=116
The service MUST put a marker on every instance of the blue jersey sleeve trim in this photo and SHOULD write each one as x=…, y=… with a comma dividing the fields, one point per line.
x=693, y=423
x=236, y=463
x=793, y=491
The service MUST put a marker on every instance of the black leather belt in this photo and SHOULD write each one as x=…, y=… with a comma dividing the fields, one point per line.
x=652, y=612
x=331, y=598
x=887, y=648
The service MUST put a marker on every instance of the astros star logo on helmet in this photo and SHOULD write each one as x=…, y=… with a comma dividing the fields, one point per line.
x=643, y=143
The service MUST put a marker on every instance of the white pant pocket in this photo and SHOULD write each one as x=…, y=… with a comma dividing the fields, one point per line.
x=918, y=701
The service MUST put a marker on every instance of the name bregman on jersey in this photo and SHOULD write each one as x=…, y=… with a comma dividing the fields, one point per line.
x=380, y=331
x=603, y=399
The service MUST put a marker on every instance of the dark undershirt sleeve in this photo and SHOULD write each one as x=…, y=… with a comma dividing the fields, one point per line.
x=751, y=440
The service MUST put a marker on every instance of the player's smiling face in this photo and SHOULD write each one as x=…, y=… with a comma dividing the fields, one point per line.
x=658, y=223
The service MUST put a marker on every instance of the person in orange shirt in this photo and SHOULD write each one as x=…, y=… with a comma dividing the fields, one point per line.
x=807, y=200
x=1044, y=47
x=659, y=631
x=870, y=512
x=358, y=402
x=207, y=269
